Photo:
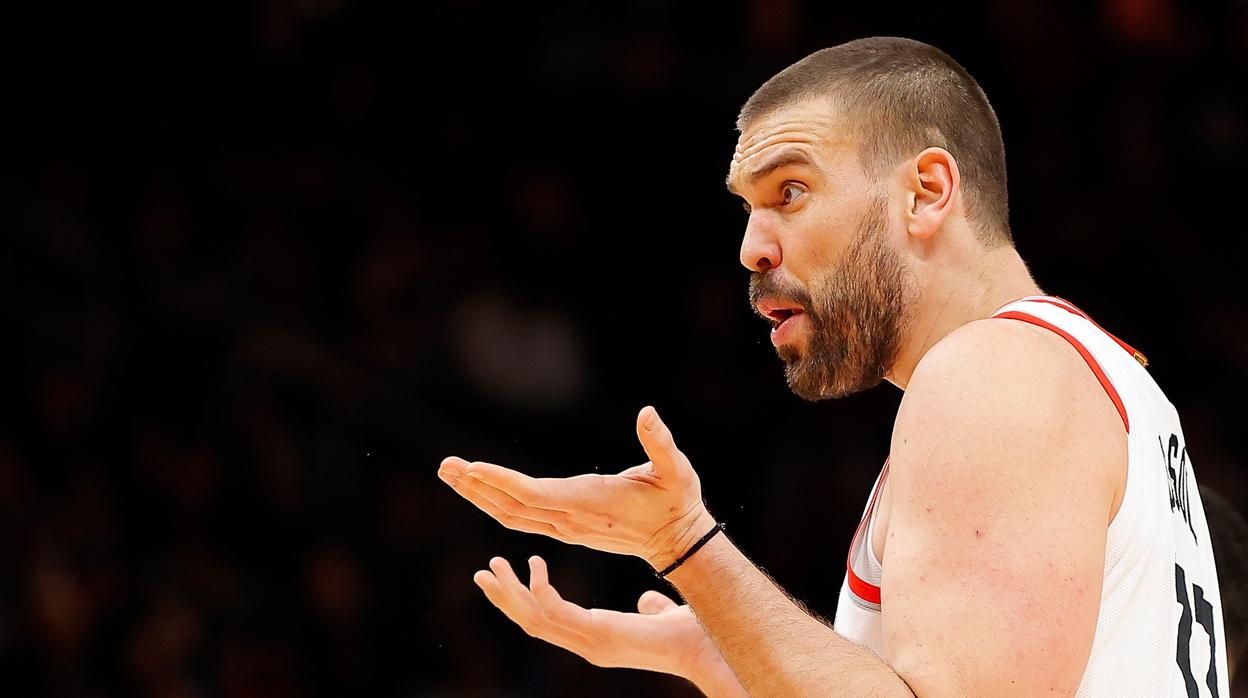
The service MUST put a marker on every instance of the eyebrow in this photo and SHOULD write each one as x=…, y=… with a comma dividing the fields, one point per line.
x=784, y=158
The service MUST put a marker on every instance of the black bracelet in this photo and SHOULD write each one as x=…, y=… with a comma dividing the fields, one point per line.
x=696, y=547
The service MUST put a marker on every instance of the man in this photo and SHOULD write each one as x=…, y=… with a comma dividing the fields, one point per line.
x=1037, y=528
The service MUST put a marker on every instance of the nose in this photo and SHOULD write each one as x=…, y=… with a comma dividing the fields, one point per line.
x=760, y=250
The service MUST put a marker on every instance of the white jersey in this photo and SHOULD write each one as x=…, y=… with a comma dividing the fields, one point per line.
x=1159, y=631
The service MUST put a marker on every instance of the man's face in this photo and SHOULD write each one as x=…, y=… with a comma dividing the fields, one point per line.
x=826, y=273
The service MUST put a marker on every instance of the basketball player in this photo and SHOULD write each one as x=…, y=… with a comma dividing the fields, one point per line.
x=1037, y=529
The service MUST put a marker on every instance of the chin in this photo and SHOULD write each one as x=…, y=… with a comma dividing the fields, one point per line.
x=811, y=385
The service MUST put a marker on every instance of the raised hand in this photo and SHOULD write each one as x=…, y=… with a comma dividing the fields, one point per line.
x=653, y=510
x=661, y=637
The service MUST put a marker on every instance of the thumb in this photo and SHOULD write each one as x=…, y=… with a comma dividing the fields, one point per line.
x=657, y=440
x=653, y=602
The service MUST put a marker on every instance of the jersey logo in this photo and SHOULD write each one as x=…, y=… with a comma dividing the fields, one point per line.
x=1180, y=498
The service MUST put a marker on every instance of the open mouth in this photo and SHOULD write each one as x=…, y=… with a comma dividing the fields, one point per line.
x=778, y=316
x=783, y=319
x=783, y=316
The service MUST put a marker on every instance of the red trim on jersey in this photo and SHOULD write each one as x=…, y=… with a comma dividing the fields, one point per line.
x=1083, y=351
x=861, y=588
x=1070, y=307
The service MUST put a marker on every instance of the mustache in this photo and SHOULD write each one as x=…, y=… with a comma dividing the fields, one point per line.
x=770, y=285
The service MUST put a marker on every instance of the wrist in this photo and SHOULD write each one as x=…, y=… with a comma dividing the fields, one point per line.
x=679, y=536
x=714, y=678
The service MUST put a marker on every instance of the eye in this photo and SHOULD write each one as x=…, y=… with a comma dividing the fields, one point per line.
x=790, y=191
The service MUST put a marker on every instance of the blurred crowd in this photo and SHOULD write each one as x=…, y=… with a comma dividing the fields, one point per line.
x=268, y=264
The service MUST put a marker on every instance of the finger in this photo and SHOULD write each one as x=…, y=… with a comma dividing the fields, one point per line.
x=504, y=590
x=453, y=466
x=489, y=584
x=513, y=506
x=659, y=444
x=564, y=613
x=531, y=491
x=499, y=587
x=515, y=522
x=547, y=596
x=539, y=576
x=511, y=584
x=653, y=602
x=517, y=597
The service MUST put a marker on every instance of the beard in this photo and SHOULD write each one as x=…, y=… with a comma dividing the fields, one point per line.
x=856, y=313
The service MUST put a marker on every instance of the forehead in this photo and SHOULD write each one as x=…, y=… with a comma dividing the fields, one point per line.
x=811, y=127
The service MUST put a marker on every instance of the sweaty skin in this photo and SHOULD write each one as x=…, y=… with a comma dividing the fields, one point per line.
x=1007, y=464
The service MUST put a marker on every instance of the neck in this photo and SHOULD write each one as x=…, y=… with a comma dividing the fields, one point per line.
x=955, y=299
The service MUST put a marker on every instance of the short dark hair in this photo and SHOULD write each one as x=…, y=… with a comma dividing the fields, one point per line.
x=1229, y=534
x=900, y=96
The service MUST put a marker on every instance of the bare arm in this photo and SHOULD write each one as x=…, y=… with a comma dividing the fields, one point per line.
x=1002, y=486
x=1003, y=482
x=1006, y=466
x=774, y=645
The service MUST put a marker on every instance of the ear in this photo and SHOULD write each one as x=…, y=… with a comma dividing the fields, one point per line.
x=934, y=185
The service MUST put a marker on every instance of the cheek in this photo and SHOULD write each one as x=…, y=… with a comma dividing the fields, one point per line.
x=820, y=236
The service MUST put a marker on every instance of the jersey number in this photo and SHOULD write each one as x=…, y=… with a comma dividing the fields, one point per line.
x=1204, y=616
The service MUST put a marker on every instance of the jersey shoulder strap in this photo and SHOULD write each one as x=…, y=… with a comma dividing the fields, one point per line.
x=1038, y=311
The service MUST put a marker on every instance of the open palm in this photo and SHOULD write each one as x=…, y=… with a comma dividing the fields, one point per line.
x=662, y=636
x=653, y=510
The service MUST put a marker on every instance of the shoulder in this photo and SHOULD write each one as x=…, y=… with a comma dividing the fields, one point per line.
x=997, y=370
x=1008, y=396
x=1002, y=485
x=1009, y=365
x=977, y=355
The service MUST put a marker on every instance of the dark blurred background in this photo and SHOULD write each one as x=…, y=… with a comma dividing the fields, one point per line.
x=267, y=264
